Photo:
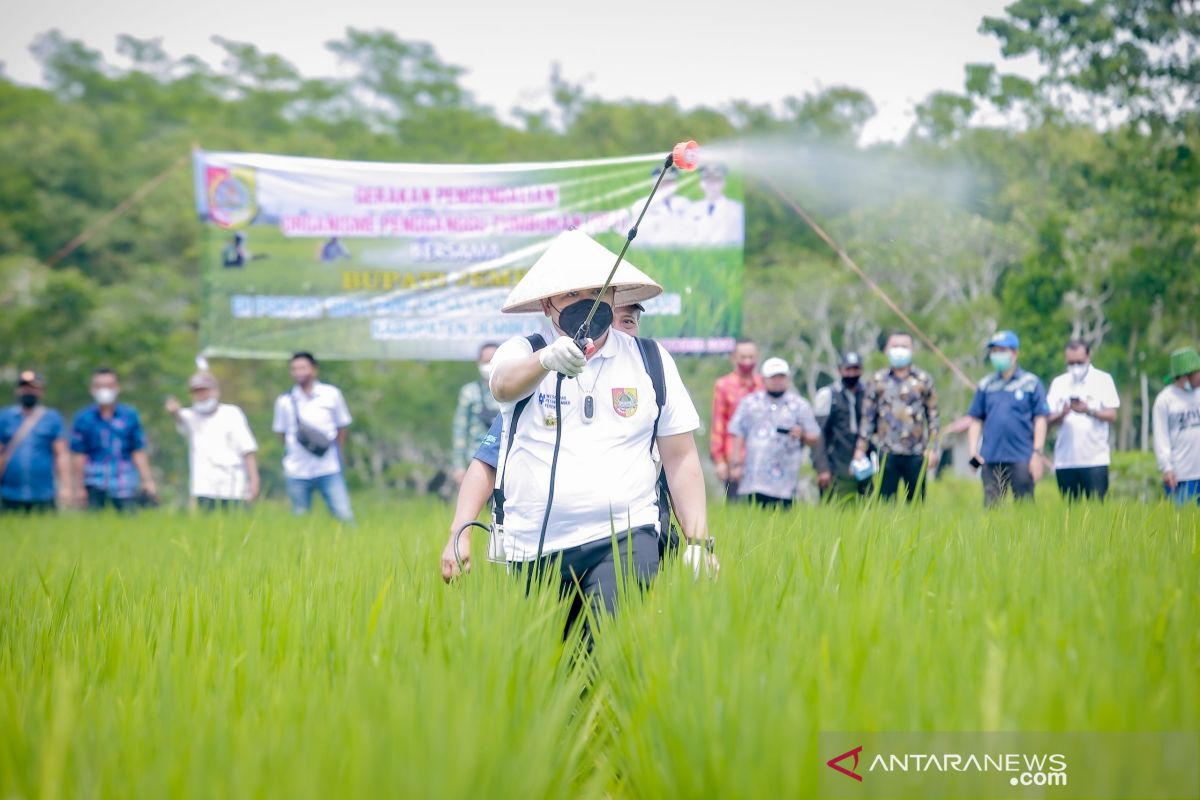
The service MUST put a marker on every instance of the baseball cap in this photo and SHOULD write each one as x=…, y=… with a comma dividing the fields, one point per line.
x=30, y=378
x=775, y=366
x=202, y=380
x=1004, y=339
x=850, y=359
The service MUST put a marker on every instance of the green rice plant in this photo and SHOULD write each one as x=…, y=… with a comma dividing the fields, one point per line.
x=260, y=655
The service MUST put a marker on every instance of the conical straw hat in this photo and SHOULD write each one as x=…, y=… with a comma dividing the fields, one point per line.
x=576, y=261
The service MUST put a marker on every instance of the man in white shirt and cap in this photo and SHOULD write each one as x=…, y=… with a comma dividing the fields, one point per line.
x=221, y=448
x=577, y=468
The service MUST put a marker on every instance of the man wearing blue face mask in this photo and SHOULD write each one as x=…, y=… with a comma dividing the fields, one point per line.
x=900, y=415
x=1009, y=411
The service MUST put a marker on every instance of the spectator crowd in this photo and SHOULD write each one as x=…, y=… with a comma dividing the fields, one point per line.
x=876, y=434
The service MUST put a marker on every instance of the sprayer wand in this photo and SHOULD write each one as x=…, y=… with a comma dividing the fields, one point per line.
x=683, y=156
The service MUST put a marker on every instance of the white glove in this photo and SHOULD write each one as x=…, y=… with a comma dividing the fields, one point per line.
x=697, y=556
x=562, y=355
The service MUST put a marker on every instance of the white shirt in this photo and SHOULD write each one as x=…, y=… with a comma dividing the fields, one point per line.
x=667, y=220
x=1176, y=418
x=605, y=476
x=325, y=409
x=1082, y=439
x=217, y=445
x=720, y=222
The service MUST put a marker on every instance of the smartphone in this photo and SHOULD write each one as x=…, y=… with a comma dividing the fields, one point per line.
x=975, y=462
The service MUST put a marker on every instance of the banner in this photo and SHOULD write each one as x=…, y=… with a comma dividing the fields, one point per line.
x=358, y=260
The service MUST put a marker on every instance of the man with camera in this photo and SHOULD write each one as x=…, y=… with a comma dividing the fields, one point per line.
x=312, y=419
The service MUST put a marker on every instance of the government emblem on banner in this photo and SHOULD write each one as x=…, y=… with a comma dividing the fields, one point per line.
x=625, y=401
x=231, y=200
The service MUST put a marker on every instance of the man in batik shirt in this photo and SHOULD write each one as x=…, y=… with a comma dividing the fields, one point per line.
x=899, y=412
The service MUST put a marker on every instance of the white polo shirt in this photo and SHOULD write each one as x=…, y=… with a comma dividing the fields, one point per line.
x=605, y=477
x=1082, y=440
x=324, y=409
x=217, y=445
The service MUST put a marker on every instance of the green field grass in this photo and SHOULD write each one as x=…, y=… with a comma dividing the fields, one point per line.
x=261, y=656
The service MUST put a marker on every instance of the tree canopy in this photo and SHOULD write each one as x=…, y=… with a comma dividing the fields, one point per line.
x=1075, y=218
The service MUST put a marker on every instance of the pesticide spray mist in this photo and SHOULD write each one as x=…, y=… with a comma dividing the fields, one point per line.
x=906, y=231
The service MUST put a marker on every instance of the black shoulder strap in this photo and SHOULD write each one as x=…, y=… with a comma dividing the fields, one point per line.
x=652, y=361
x=537, y=342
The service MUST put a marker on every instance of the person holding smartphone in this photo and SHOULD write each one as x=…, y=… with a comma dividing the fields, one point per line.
x=769, y=431
x=1083, y=402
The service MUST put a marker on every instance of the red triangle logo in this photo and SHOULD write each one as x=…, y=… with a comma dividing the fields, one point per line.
x=834, y=762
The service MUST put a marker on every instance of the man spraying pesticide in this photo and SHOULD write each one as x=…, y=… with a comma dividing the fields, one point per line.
x=582, y=419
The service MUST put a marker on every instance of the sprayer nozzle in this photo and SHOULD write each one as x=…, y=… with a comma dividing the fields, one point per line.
x=686, y=155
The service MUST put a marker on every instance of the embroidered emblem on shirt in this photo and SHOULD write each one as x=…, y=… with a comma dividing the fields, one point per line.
x=625, y=401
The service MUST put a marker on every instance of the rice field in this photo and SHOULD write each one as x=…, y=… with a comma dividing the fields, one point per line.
x=260, y=656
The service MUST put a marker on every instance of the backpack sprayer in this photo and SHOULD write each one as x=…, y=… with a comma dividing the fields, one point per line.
x=684, y=155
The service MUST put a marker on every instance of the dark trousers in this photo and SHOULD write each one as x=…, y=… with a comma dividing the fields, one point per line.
x=98, y=499
x=27, y=506
x=210, y=504
x=999, y=478
x=1082, y=482
x=767, y=501
x=901, y=467
x=588, y=574
x=845, y=487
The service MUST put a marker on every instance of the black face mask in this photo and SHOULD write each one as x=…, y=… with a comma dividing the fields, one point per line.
x=777, y=395
x=27, y=400
x=571, y=317
x=850, y=381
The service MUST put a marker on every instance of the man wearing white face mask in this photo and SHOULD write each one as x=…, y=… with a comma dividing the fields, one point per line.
x=221, y=448
x=900, y=413
x=109, y=447
x=1084, y=401
x=476, y=412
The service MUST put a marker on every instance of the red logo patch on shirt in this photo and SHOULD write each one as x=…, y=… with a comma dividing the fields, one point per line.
x=625, y=401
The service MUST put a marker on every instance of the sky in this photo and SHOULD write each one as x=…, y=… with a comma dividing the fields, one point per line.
x=703, y=53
